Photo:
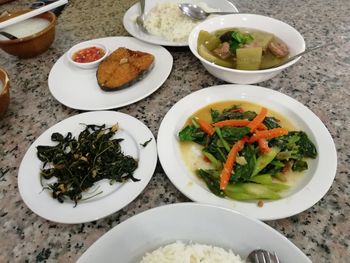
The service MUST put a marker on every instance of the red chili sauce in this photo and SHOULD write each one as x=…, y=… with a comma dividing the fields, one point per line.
x=87, y=55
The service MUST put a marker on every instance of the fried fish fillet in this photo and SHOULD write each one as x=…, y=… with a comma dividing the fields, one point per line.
x=122, y=67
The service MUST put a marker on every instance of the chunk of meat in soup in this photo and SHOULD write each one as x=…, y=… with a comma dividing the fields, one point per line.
x=278, y=49
x=223, y=51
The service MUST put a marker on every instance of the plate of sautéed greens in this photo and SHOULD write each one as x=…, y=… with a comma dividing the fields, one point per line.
x=87, y=167
x=248, y=148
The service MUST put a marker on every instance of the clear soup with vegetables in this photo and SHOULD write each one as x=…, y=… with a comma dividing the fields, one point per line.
x=242, y=48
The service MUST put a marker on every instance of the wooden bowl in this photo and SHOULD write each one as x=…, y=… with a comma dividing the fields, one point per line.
x=4, y=92
x=33, y=45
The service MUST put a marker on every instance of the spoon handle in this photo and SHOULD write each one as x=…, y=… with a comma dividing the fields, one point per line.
x=142, y=5
x=300, y=54
x=223, y=13
x=307, y=51
x=32, y=13
x=8, y=35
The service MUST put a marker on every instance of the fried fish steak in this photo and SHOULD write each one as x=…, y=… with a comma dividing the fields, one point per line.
x=122, y=68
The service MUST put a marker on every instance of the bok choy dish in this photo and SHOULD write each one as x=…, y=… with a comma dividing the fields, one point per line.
x=244, y=151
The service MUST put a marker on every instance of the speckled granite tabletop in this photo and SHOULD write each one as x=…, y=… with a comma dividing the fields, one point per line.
x=320, y=81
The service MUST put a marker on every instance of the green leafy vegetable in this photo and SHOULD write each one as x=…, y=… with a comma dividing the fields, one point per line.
x=306, y=147
x=238, y=39
x=193, y=133
x=146, y=143
x=222, y=140
x=76, y=164
x=232, y=113
x=255, y=174
x=211, y=178
x=299, y=166
x=242, y=173
x=263, y=160
x=251, y=191
x=216, y=163
x=271, y=123
x=216, y=148
x=242, y=38
x=234, y=134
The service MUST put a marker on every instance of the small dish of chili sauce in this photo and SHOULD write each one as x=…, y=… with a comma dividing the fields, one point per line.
x=87, y=55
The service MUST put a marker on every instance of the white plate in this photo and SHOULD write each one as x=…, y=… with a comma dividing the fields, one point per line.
x=199, y=223
x=115, y=196
x=129, y=20
x=78, y=89
x=311, y=187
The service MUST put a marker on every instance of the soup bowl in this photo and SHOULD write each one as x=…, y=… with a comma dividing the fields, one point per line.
x=32, y=45
x=281, y=30
x=4, y=92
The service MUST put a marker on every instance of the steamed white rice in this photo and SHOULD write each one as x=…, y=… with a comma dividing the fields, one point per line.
x=167, y=21
x=180, y=252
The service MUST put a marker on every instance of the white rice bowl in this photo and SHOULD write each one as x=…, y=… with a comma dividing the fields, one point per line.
x=180, y=252
x=167, y=21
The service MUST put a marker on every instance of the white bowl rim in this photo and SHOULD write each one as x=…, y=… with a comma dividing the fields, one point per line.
x=195, y=52
x=83, y=45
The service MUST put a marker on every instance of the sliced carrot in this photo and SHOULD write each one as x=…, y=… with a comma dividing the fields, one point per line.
x=263, y=145
x=268, y=134
x=206, y=127
x=230, y=162
x=237, y=123
x=261, y=127
x=237, y=110
x=258, y=119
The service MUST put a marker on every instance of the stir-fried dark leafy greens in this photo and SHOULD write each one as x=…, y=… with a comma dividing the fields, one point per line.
x=146, y=142
x=258, y=170
x=77, y=163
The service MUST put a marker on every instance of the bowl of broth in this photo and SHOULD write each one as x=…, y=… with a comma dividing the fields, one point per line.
x=4, y=92
x=245, y=48
x=34, y=35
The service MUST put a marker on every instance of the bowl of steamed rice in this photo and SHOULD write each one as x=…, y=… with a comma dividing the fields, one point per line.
x=165, y=23
x=35, y=35
x=189, y=233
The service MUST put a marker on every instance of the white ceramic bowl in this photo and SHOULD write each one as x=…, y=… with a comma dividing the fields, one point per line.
x=285, y=32
x=199, y=223
x=81, y=46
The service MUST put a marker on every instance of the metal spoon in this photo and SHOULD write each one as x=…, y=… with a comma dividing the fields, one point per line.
x=299, y=55
x=40, y=3
x=262, y=256
x=8, y=35
x=140, y=19
x=197, y=13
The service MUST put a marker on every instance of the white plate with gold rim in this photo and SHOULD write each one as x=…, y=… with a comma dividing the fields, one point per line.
x=114, y=196
x=305, y=192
